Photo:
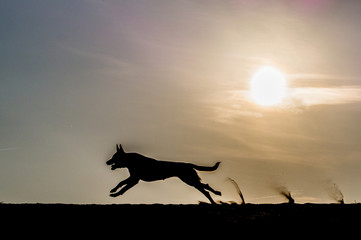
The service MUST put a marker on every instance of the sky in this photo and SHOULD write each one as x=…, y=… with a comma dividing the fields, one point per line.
x=170, y=80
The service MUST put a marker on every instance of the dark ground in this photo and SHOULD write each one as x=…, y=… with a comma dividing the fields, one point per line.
x=116, y=220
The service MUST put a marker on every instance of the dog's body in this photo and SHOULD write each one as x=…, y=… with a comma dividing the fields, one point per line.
x=149, y=169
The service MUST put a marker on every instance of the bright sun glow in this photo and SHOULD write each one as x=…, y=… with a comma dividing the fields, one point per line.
x=268, y=86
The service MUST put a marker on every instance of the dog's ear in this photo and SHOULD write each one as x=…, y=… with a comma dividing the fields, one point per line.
x=120, y=148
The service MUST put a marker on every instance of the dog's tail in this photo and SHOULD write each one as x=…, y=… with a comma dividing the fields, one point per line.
x=204, y=168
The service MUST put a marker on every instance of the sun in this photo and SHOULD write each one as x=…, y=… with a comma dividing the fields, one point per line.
x=268, y=86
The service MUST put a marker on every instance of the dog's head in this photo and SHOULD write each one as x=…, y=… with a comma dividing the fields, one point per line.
x=117, y=161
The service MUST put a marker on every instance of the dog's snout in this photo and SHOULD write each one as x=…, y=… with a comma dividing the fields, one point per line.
x=109, y=162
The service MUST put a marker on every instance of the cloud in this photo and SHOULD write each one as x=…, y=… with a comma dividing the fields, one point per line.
x=7, y=149
x=309, y=96
x=101, y=57
x=320, y=76
x=239, y=104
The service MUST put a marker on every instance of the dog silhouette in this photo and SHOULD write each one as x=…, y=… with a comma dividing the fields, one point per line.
x=148, y=169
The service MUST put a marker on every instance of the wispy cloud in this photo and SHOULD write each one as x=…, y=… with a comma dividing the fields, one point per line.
x=106, y=59
x=7, y=149
x=320, y=76
x=239, y=104
x=309, y=96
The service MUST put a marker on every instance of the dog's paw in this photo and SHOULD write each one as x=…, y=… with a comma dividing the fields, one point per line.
x=218, y=193
x=113, y=190
x=113, y=195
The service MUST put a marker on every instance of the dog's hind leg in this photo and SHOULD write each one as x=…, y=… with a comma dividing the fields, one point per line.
x=192, y=179
x=206, y=193
x=206, y=186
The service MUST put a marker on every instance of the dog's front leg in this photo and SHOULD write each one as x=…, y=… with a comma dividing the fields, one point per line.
x=120, y=184
x=130, y=184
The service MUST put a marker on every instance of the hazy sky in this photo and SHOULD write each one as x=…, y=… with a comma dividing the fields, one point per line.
x=170, y=80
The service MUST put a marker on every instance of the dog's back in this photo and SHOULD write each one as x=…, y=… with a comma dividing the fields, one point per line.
x=149, y=169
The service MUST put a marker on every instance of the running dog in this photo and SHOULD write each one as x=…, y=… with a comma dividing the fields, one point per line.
x=149, y=169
